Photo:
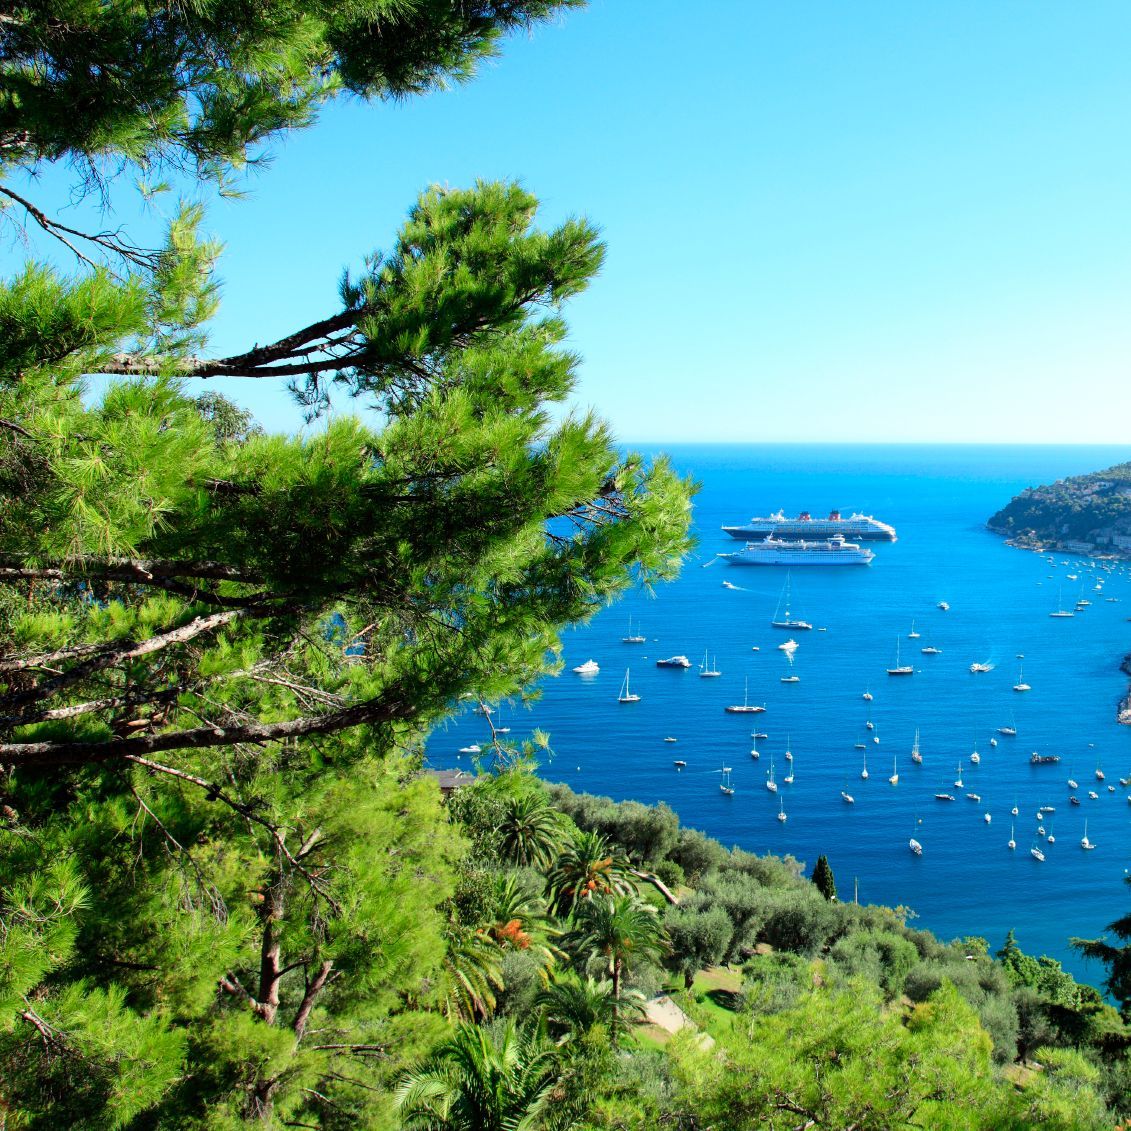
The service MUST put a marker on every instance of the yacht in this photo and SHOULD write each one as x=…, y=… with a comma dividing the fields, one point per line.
x=976, y=667
x=790, y=645
x=915, y=846
x=944, y=605
x=900, y=668
x=474, y=748
x=590, y=667
x=746, y=708
x=784, y=619
x=626, y=695
x=1021, y=685
x=709, y=671
x=674, y=662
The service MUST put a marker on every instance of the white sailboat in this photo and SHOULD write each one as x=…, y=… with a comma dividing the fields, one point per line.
x=1021, y=685
x=781, y=808
x=864, y=771
x=1061, y=611
x=626, y=695
x=913, y=635
x=784, y=619
x=771, y=785
x=788, y=779
x=915, y=755
x=754, y=752
x=1012, y=843
x=709, y=671
x=900, y=668
x=633, y=637
x=1085, y=843
x=725, y=785
x=894, y=779
x=745, y=708
x=1036, y=852
x=958, y=779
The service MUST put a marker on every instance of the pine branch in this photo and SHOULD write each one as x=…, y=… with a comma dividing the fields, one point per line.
x=313, y=989
x=108, y=242
x=109, y=656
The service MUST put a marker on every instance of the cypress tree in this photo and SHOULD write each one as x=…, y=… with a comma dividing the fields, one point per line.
x=823, y=878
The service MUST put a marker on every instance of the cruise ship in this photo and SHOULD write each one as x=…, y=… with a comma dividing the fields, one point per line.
x=805, y=526
x=777, y=551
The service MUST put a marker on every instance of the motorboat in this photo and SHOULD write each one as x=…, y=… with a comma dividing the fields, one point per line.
x=674, y=662
x=590, y=667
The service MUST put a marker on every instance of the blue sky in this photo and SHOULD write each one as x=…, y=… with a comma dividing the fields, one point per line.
x=826, y=221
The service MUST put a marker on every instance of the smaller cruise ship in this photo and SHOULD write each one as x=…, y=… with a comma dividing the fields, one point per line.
x=674, y=662
x=776, y=551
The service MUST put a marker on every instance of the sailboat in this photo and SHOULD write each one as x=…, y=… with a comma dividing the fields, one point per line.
x=847, y=797
x=867, y=695
x=894, y=779
x=785, y=620
x=633, y=637
x=915, y=755
x=913, y=635
x=745, y=708
x=1036, y=852
x=754, y=752
x=725, y=785
x=864, y=771
x=771, y=785
x=900, y=669
x=788, y=779
x=709, y=672
x=1011, y=730
x=1061, y=611
x=1085, y=843
x=627, y=696
x=913, y=844
x=958, y=779
x=1021, y=685
x=1012, y=843
x=781, y=808
x=975, y=757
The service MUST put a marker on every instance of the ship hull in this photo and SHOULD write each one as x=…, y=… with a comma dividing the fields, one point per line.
x=772, y=558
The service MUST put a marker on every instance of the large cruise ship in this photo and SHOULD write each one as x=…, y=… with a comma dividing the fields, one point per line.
x=805, y=526
x=779, y=551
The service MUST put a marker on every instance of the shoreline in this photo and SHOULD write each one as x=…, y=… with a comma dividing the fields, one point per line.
x=1024, y=542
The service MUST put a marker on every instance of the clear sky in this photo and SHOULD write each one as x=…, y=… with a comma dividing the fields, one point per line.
x=875, y=220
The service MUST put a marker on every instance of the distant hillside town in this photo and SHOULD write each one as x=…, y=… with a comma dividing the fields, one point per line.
x=1085, y=514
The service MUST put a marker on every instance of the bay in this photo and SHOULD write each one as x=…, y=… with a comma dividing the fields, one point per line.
x=967, y=882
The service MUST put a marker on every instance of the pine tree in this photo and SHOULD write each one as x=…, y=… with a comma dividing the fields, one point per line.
x=224, y=888
x=823, y=879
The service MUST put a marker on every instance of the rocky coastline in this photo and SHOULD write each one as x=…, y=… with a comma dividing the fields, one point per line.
x=1089, y=515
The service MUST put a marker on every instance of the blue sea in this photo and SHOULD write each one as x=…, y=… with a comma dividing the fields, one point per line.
x=967, y=881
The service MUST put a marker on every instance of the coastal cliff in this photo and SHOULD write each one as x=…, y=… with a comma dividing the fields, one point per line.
x=1085, y=514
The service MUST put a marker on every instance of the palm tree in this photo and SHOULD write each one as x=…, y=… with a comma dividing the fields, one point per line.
x=572, y=1005
x=520, y=921
x=530, y=832
x=617, y=931
x=473, y=965
x=588, y=867
x=477, y=1082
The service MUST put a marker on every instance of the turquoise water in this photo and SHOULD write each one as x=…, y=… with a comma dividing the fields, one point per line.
x=967, y=881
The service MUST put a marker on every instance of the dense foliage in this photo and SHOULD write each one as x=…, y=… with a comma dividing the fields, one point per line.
x=229, y=893
x=1083, y=508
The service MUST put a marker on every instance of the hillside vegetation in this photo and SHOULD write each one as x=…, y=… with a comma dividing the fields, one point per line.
x=1084, y=513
